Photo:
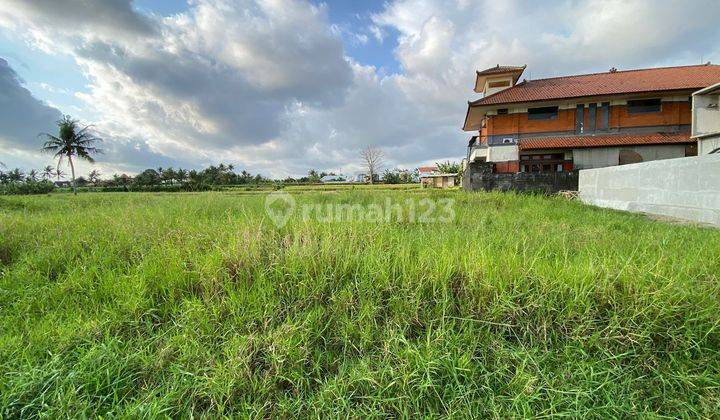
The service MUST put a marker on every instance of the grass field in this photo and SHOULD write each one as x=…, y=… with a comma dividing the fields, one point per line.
x=174, y=304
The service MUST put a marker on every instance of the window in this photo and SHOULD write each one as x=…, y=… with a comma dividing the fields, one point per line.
x=592, y=117
x=503, y=83
x=604, y=115
x=507, y=140
x=579, y=119
x=643, y=106
x=542, y=163
x=502, y=111
x=544, y=113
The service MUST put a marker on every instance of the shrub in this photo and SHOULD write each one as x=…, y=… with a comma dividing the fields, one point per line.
x=25, y=188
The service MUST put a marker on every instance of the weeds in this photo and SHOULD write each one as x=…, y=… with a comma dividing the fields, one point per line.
x=146, y=305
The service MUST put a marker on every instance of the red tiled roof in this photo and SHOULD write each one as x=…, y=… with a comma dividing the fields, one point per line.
x=501, y=69
x=609, y=83
x=425, y=169
x=606, y=140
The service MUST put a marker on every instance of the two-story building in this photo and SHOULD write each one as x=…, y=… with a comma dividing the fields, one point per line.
x=584, y=121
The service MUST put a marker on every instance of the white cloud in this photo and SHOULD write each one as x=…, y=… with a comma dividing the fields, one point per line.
x=377, y=33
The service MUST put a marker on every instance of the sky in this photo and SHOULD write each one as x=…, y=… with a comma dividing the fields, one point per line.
x=279, y=87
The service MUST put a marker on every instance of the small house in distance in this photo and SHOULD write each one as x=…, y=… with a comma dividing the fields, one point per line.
x=427, y=170
x=438, y=180
x=333, y=179
x=430, y=176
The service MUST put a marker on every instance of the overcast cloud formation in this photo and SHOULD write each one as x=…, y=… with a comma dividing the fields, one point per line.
x=22, y=116
x=268, y=84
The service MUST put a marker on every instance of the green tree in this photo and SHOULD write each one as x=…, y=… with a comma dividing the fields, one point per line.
x=32, y=176
x=244, y=177
x=16, y=175
x=72, y=140
x=168, y=175
x=195, y=177
x=121, y=180
x=181, y=175
x=391, y=177
x=48, y=173
x=94, y=176
x=147, y=177
x=313, y=176
x=448, y=167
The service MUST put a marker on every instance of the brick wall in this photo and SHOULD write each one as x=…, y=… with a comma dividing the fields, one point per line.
x=672, y=114
x=519, y=123
x=507, y=167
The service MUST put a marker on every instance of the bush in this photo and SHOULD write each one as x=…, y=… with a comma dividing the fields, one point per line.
x=25, y=188
x=187, y=187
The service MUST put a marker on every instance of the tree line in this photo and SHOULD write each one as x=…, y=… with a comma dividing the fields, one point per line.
x=74, y=142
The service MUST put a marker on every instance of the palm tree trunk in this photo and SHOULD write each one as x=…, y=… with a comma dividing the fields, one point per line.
x=72, y=171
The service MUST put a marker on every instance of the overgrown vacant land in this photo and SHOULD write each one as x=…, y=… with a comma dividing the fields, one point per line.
x=148, y=304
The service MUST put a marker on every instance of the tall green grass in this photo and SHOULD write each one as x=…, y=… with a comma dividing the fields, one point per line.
x=146, y=305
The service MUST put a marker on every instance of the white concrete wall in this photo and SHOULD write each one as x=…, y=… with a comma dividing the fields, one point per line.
x=708, y=144
x=668, y=151
x=706, y=114
x=490, y=90
x=478, y=153
x=503, y=153
x=686, y=188
x=602, y=157
x=599, y=157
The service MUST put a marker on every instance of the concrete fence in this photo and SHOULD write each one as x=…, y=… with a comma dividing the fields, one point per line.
x=684, y=188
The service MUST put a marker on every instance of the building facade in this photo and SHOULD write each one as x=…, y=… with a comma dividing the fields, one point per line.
x=706, y=119
x=585, y=121
x=438, y=180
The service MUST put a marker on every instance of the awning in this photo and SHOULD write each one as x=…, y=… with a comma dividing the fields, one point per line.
x=606, y=140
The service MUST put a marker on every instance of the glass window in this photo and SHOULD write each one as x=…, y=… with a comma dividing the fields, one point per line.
x=544, y=113
x=499, y=84
x=643, y=106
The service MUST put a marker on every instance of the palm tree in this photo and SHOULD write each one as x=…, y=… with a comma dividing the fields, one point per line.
x=94, y=176
x=48, y=173
x=60, y=174
x=168, y=175
x=32, y=176
x=16, y=175
x=72, y=141
x=181, y=175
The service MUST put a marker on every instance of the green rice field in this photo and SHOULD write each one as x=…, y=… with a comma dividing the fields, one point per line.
x=149, y=305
